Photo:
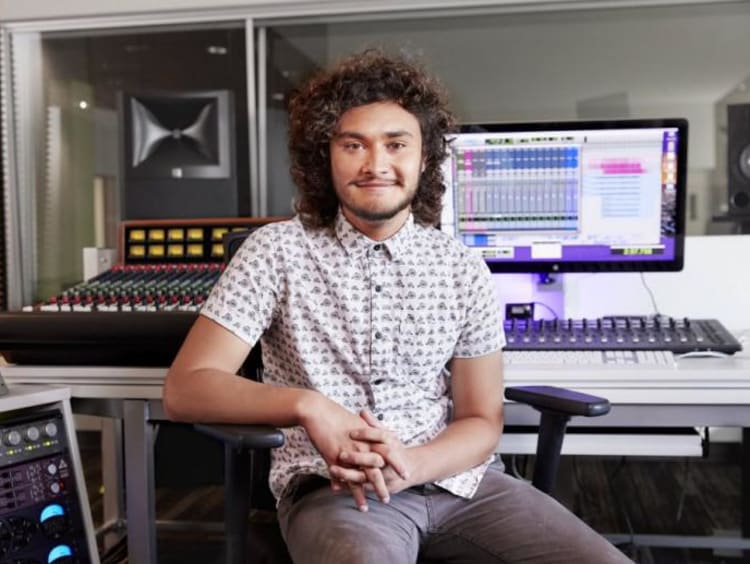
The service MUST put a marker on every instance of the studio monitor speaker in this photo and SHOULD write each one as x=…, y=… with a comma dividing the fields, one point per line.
x=738, y=159
x=178, y=154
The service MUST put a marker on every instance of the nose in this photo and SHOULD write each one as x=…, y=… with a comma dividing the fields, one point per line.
x=377, y=161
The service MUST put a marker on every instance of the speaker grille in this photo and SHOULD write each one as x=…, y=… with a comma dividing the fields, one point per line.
x=738, y=159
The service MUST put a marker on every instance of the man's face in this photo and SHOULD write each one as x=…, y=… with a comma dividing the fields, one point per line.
x=376, y=162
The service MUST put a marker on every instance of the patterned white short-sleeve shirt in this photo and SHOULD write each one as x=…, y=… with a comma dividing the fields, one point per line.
x=367, y=323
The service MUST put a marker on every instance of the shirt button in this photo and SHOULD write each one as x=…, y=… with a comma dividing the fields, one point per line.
x=378, y=288
x=381, y=416
x=377, y=247
x=378, y=335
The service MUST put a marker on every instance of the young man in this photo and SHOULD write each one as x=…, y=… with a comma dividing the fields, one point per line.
x=381, y=346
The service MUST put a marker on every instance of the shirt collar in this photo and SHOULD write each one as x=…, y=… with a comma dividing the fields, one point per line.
x=356, y=243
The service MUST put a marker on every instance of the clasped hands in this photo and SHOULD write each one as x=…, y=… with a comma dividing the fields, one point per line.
x=373, y=458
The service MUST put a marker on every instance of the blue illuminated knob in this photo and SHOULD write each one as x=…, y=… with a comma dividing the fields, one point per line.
x=62, y=553
x=54, y=522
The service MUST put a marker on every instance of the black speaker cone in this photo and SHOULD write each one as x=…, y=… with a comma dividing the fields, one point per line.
x=740, y=200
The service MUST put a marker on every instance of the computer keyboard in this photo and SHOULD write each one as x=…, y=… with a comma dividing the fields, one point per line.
x=589, y=358
x=620, y=333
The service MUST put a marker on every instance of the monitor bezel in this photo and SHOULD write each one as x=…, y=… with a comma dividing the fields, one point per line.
x=542, y=266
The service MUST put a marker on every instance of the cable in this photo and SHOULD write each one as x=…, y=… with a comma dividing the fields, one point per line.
x=552, y=311
x=651, y=295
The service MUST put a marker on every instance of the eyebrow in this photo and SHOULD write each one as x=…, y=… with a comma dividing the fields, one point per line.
x=388, y=134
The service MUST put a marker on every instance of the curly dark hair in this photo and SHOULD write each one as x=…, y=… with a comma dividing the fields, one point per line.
x=365, y=78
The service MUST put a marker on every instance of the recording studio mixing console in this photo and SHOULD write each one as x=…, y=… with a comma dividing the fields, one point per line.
x=621, y=333
x=138, y=312
x=166, y=265
x=140, y=287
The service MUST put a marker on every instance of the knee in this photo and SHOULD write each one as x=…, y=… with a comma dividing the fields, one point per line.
x=347, y=541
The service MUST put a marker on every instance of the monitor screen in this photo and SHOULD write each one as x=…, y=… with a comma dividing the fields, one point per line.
x=569, y=196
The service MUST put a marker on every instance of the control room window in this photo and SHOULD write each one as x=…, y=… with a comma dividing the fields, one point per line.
x=68, y=98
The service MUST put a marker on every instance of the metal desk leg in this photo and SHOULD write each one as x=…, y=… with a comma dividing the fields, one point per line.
x=745, y=486
x=112, y=480
x=139, y=482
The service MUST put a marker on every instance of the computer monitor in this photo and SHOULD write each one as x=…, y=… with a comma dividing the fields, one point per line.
x=569, y=196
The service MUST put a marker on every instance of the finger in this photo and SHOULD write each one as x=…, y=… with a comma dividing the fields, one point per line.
x=362, y=459
x=358, y=493
x=395, y=458
x=343, y=474
x=370, y=419
x=377, y=481
x=371, y=435
x=335, y=485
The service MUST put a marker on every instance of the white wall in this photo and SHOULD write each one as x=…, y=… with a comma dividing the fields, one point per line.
x=712, y=284
x=15, y=10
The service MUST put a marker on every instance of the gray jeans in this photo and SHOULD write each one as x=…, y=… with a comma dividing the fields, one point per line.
x=507, y=521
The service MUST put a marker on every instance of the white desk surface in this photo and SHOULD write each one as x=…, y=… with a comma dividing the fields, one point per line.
x=20, y=396
x=694, y=381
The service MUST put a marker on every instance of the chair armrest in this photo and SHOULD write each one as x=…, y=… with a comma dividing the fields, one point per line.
x=559, y=400
x=243, y=436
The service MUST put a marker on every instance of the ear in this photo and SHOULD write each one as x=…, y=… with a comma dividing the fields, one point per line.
x=424, y=165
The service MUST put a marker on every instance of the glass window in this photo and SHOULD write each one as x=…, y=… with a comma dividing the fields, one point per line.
x=79, y=192
x=679, y=61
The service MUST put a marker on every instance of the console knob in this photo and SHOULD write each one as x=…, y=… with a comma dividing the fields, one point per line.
x=61, y=553
x=32, y=434
x=13, y=438
x=50, y=429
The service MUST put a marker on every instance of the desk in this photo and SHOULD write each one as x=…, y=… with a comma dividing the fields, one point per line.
x=697, y=392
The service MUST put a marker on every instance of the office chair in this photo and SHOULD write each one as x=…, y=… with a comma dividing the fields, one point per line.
x=247, y=458
x=247, y=451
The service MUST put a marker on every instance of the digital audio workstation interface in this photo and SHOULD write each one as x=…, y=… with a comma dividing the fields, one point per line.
x=578, y=196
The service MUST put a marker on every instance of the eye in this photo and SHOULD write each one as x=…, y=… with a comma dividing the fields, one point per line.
x=352, y=145
x=396, y=145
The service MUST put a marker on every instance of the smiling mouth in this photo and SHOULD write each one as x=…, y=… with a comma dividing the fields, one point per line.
x=375, y=183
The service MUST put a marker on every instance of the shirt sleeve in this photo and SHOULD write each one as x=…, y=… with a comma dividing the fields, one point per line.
x=244, y=298
x=482, y=332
